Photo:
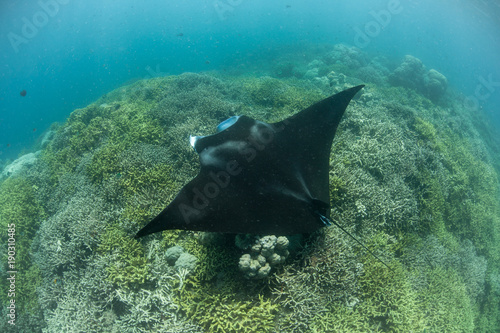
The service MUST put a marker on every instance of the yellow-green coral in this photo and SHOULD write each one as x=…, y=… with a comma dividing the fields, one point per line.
x=284, y=97
x=130, y=125
x=213, y=259
x=341, y=319
x=19, y=207
x=337, y=189
x=129, y=265
x=120, y=124
x=147, y=190
x=461, y=200
x=225, y=313
x=105, y=162
x=388, y=299
x=428, y=133
x=445, y=304
x=387, y=304
x=160, y=176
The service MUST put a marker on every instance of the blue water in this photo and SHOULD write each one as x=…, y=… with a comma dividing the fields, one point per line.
x=67, y=53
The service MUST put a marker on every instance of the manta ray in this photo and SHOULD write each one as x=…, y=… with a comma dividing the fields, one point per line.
x=260, y=178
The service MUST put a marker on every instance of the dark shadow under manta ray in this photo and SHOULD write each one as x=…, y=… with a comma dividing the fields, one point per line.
x=260, y=178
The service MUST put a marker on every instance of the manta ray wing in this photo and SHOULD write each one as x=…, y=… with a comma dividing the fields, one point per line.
x=260, y=178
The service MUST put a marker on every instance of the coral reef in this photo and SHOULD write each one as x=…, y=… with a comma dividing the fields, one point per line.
x=323, y=274
x=430, y=254
x=445, y=303
x=413, y=180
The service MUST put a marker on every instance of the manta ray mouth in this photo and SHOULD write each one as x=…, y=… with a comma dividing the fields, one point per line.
x=227, y=123
x=221, y=127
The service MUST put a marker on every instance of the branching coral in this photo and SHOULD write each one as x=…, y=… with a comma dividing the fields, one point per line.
x=224, y=313
x=372, y=166
x=324, y=273
x=20, y=215
x=424, y=256
x=445, y=303
x=69, y=236
x=79, y=300
x=277, y=97
x=129, y=265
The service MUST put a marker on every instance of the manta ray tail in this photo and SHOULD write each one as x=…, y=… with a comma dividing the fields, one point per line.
x=360, y=243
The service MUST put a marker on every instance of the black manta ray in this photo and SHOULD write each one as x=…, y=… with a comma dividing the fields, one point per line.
x=260, y=178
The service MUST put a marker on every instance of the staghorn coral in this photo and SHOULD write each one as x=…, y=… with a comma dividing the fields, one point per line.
x=324, y=273
x=214, y=260
x=194, y=95
x=472, y=268
x=153, y=307
x=430, y=253
x=224, y=313
x=445, y=303
x=69, y=236
x=80, y=300
x=275, y=99
x=129, y=264
x=363, y=157
x=459, y=196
